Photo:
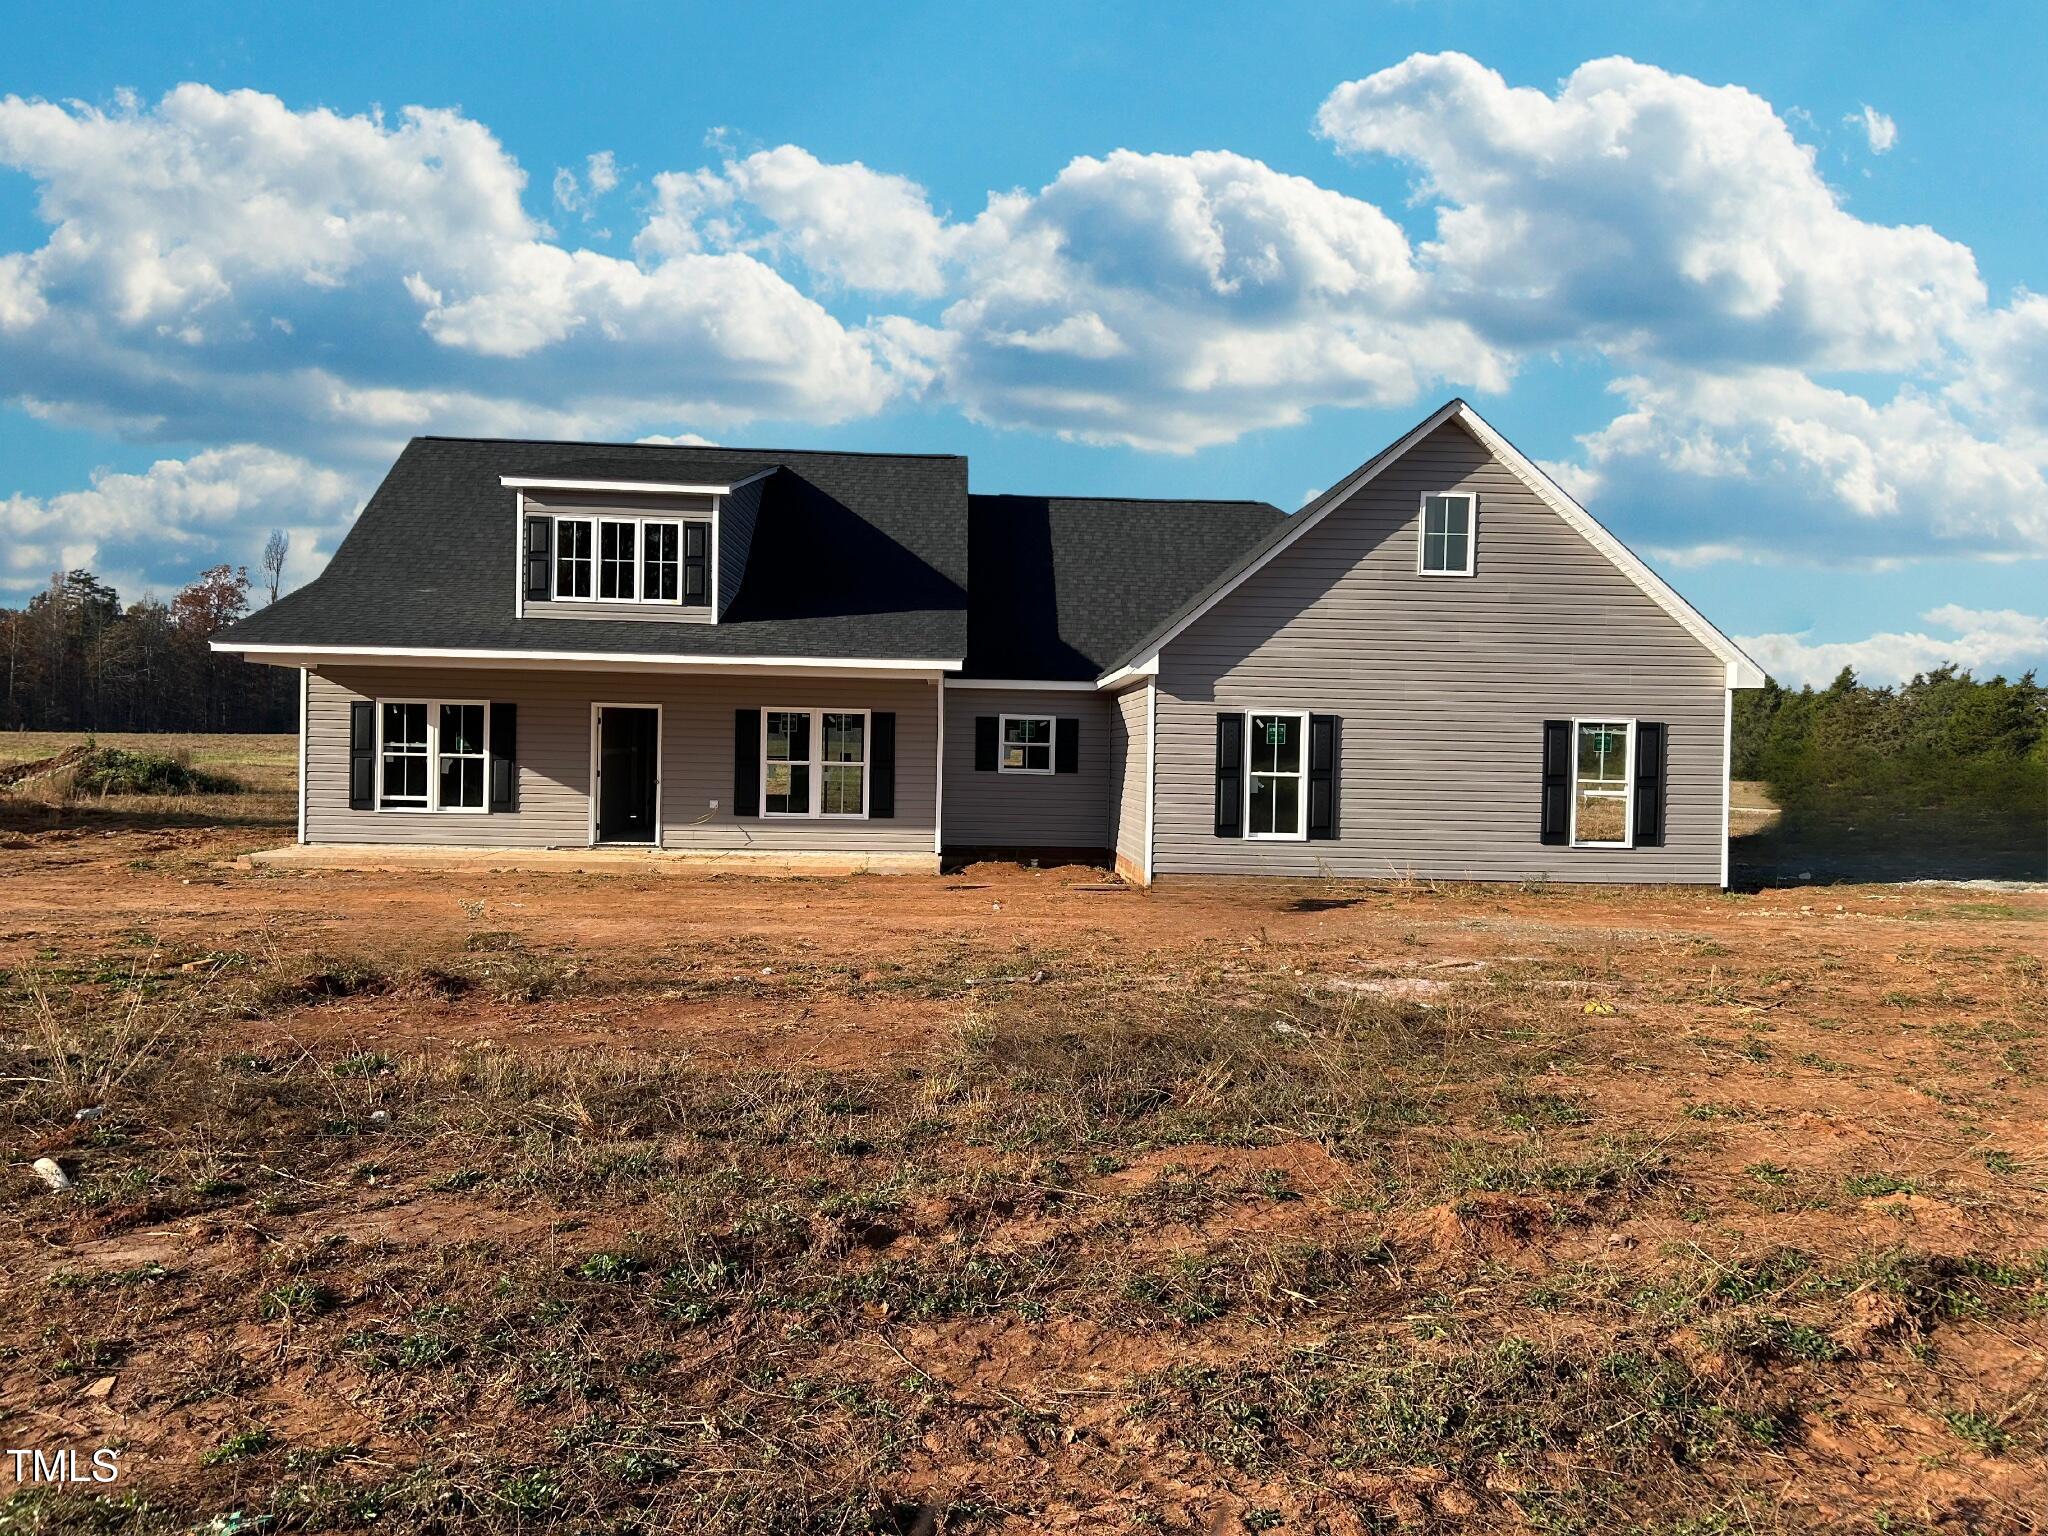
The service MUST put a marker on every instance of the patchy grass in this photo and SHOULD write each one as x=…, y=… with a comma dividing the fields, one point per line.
x=463, y=1205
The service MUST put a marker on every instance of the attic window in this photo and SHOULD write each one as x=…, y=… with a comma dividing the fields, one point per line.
x=630, y=560
x=1449, y=532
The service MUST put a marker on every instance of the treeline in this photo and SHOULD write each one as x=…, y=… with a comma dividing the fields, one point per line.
x=75, y=658
x=1962, y=755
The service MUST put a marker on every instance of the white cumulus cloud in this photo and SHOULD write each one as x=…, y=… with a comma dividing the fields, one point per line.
x=1879, y=131
x=1650, y=213
x=1770, y=461
x=213, y=256
x=1983, y=641
x=158, y=527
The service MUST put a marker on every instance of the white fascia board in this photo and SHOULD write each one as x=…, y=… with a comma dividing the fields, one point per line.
x=1742, y=672
x=928, y=668
x=635, y=487
x=1139, y=671
x=1017, y=685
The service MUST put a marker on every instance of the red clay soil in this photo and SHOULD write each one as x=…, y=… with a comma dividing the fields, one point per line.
x=1837, y=1070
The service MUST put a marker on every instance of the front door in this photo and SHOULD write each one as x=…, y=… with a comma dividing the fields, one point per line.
x=628, y=769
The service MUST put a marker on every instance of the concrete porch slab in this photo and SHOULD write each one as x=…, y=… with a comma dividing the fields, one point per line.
x=743, y=861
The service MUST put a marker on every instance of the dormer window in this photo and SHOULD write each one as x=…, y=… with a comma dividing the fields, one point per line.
x=589, y=544
x=573, y=567
x=660, y=548
x=618, y=545
x=1450, y=528
x=624, y=559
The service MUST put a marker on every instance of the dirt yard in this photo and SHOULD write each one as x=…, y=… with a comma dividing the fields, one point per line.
x=1010, y=1200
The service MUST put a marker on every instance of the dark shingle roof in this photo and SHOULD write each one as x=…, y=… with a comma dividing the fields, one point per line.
x=1063, y=587
x=855, y=555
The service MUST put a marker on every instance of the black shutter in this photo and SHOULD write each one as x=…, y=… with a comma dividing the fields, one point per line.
x=746, y=762
x=539, y=540
x=1557, y=781
x=1066, y=746
x=985, y=743
x=362, y=754
x=1322, y=776
x=504, y=757
x=696, y=564
x=1649, y=784
x=882, y=765
x=1230, y=775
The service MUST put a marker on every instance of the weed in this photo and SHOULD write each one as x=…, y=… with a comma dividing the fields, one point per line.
x=295, y=1299
x=1979, y=1429
x=239, y=1446
x=609, y=1268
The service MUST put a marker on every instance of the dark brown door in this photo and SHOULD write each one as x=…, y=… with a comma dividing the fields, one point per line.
x=628, y=770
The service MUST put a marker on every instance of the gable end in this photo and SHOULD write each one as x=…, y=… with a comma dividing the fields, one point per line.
x=1742, y=672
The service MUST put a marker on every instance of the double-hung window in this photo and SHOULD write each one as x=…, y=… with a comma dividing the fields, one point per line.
x=842, y=784
x=1449, y=532
x=617, y=545
x=814, y=762
x=661, y=551
x=785, y=762
x=431, y=755
x=1603, y=775
x=573, y=559
x=1276, y=753
x=1026, y=744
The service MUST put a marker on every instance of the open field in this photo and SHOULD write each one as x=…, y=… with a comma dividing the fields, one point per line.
x=1012, y=1200
x=265, y=766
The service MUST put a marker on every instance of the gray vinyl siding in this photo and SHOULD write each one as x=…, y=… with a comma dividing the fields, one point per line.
x=737, y=515
x=1442, y=685
x=1025, y=810
x=659, y=613
x=554, y=758
x=1130, y=741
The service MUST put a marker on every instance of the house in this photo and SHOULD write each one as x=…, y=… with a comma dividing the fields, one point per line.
x=1443, y=667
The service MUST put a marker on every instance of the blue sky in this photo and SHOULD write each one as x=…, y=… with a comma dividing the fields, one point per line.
x=1756, y=282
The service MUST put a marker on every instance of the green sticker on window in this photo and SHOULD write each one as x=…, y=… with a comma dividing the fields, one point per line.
x=1276, y=733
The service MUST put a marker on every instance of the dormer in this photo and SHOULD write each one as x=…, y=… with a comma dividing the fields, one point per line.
x=596, y=547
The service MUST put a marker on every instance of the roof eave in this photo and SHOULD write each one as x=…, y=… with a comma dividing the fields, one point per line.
x=622, y=487
x=287, y=655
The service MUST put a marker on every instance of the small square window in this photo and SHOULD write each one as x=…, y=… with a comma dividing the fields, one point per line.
x=1027, y=744
x=1448, y=534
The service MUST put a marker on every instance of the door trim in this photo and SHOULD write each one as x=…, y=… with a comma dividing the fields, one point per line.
x=597, y=708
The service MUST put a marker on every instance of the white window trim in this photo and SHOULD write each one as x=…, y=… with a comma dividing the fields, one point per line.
x=639, y=522
x=1052, y=745
x=1471, y=500
x=1628, y=805
x=817, y=764
x=433, y=807
x=597, y=709
x=1300, y=801
x=555, y=560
